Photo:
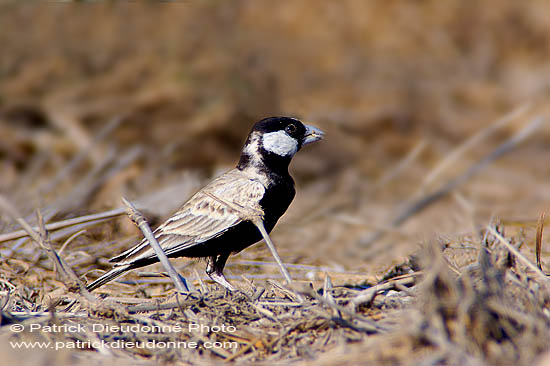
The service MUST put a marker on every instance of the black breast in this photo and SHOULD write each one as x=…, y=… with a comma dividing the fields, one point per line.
x=276, y=199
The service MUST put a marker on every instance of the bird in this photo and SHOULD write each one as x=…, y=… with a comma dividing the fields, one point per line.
x=211, y=223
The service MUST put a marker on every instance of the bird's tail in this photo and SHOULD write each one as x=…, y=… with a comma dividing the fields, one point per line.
x=109, y=276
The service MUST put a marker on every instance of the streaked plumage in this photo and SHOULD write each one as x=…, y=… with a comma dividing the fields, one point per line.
x=211, y=223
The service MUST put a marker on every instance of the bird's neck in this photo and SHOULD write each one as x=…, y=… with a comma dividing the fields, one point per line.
x=254, y=158
x=269, y=165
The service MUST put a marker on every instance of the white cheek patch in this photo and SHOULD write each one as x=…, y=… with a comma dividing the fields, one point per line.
x=280, y=143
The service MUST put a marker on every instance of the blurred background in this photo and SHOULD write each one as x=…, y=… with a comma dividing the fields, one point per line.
x=150, y=101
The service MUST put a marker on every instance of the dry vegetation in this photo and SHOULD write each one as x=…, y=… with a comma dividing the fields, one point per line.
x=436, y=121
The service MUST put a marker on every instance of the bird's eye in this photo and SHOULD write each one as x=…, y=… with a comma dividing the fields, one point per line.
x=291, y=128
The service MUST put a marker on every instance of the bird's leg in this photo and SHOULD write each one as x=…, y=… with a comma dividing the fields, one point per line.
x=214, y=270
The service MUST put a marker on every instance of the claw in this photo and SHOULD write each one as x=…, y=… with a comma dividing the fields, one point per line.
x=214, y=270
x=220, y=279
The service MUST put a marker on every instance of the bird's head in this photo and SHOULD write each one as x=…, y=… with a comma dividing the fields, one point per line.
x=275, y=140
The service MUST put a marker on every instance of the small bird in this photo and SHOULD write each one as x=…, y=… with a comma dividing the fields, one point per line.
x=211, y=223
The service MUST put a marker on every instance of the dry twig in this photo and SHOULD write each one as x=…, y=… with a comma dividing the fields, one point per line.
x=64, y=271
x=538, y=241
x=95, y=218
x=518, y=255
x=179, y=281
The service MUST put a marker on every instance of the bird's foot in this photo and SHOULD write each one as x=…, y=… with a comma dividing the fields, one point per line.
x=220, y=279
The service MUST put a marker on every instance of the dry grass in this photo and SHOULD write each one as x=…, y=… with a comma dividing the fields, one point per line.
x=489, y=309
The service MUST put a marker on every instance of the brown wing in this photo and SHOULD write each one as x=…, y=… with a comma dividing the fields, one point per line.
x=207, y=214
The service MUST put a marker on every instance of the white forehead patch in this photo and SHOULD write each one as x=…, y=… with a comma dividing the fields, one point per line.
x=280, y=143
